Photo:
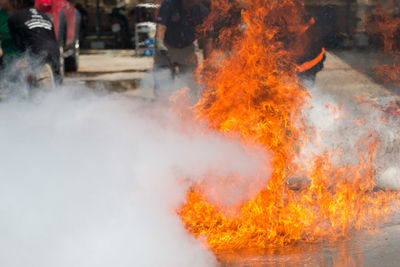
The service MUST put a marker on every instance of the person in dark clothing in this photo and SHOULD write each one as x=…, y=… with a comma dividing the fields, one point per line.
x=311, y=59
x=176, y=33
x=10, y=51
x=123, y=35
x=33, y=33
x=301, y=36
x=295, y=31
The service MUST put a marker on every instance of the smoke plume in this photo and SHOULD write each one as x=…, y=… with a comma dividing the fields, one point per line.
x=94, y=179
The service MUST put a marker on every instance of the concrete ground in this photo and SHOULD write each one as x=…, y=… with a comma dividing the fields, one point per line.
x=115, y=70
x=345, y=75
x=341, y=79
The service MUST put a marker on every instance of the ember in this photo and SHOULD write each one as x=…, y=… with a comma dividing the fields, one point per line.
x=253, y=91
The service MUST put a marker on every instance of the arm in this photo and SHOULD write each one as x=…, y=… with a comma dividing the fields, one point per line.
x=207, y=47
x=160, y=31
x=162, y=19
x=205, y=39
x=161, y=28
x=160, y=35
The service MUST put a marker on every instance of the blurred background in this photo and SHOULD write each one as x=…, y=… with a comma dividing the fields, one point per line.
x=344, y=21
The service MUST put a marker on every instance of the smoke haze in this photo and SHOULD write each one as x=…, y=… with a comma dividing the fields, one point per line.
x=340, y=127
x=93, y=179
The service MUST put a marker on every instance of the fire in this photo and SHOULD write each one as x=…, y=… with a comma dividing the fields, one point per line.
x=382, y=27
x=253, y=91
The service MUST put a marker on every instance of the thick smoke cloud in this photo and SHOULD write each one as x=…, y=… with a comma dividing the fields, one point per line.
x=93, y=179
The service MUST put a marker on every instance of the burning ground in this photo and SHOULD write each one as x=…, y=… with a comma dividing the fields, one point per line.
x=95, y=179
x=326, y=156
x=261, y=161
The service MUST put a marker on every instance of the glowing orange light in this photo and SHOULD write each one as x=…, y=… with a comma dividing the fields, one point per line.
x=253, y=91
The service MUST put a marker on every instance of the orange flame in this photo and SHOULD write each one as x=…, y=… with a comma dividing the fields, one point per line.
x=383, y=29
x=253, y=91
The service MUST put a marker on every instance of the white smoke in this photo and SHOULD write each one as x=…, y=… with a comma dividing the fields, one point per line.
x=93, y=179
x=341, y=125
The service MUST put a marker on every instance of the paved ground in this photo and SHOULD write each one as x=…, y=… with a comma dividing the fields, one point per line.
x=116, y=70
x=341, y=79
x=345, y=75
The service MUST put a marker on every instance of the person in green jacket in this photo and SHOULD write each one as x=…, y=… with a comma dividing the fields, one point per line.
x=9, y=50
